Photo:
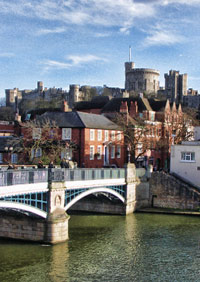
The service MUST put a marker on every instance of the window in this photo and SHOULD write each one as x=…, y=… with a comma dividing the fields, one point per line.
x=99, y=152
x=99, y=134
x=113, y=135
x=14, y=158
x=36, y=153
x=1, y=157
x=66, y=133
x=118, y=153
x=52, y=133
x=66, y=153
x=36, y=133
x=91, y=152
x=106, y=135
x=119, y=135
x=91, y=134
x=139, y=148
x=188, y=156
x=112, y=152
x=152, y=116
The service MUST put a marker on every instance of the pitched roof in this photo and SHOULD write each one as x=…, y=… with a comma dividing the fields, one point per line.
x=97, y=102
x=62, y=119
x=77, y=120
x=96, y=121
x=114, y=104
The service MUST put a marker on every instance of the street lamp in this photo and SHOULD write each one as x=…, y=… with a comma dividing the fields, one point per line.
x=8, y=149
x=129, y=154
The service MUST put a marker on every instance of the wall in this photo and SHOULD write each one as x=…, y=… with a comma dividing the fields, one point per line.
x=166, y=191
x=99, y=204
x=189, y=170
x=21, y=227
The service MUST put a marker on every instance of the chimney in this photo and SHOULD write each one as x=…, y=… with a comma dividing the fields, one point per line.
x=124, y=108
x=18, y=117
x=133, y=109
x=65, y=107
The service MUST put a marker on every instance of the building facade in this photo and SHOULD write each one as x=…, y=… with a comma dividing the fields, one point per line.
x=185, y=161
x=175, y=86
x=141, y=79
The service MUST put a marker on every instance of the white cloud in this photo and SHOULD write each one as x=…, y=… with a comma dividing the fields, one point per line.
x=55, y=64
x=186, y=2
x=76, y=60
x=162, y=37
x=90, y=12
x=71, y=61
x=49, y=31
x=101, y=34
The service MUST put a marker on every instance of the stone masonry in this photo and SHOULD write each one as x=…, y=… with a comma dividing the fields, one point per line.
x=166, y=191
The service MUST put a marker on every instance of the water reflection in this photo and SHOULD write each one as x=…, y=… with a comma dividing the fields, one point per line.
x=139, y=247
x=58, y=267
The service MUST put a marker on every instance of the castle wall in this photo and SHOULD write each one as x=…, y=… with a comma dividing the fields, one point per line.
x=142, y=80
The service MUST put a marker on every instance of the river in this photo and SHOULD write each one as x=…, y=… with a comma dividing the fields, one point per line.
x=138, y=247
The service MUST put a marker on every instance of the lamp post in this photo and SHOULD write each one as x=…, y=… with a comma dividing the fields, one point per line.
x=129, y=154
x=8, y=150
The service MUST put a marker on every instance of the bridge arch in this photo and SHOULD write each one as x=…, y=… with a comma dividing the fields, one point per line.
x=23, y=207
x=92, y=191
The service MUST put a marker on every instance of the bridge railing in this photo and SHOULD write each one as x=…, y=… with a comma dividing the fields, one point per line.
x=86, y=174
x=12, y=177
x=25, y=176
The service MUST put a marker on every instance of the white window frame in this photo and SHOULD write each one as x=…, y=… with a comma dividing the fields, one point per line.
x=119, y=135
x=112, y=153
x=66, y=133
x=91, y=152
x=99, y=135
x=118, y=152
x=14, y=158
x=106, y=135
x=113, y=135
x=188, y=157
x=99, y=151
x=92, y=134
x=37, y=133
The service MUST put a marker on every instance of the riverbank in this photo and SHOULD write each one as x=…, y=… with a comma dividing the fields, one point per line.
x=169, y=211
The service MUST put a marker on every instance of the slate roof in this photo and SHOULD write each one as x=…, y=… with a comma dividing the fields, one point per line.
x=157, y=105
x=77, y=120
x=96, y=103
x=114, y=104
x=96, y=121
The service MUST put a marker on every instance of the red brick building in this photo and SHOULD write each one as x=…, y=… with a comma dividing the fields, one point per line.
x=90, y=140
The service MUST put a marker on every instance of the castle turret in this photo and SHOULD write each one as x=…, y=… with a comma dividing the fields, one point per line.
x=40, y=86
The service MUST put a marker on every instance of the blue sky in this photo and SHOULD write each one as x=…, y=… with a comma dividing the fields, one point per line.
x=86, y=42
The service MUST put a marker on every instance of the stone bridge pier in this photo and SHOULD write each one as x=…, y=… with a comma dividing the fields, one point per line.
x=56, y=230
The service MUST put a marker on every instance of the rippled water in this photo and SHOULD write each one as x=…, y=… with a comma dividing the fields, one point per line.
x=139, y=247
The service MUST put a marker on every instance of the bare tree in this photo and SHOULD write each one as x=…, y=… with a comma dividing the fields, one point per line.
x=44, y=137
x=136, y=135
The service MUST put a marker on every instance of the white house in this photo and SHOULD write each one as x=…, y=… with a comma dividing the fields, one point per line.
x=185, y=161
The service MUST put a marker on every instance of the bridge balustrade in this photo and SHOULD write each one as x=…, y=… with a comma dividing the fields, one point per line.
x=25, y=176
x=13, y=177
